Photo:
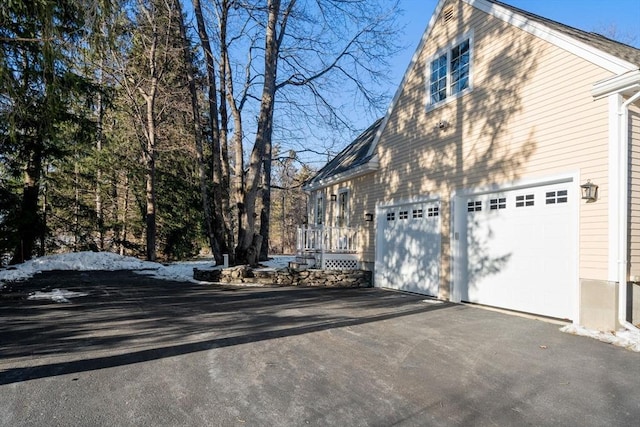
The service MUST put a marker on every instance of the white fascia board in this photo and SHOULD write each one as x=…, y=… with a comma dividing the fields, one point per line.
x=371, y=166
x=603, y=59
x=414, y=59
x=627, y=82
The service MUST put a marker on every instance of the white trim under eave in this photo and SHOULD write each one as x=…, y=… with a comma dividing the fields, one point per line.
x=371, y=166
x=601, y=58
x=624, y=83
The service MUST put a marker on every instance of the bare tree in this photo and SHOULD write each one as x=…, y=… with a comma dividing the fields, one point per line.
x=282, y=63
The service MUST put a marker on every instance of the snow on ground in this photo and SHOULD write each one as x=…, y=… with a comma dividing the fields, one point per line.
x=57, y=295
x=183, y=272
x=92, y=261
x=624, y=338
x=277, y=262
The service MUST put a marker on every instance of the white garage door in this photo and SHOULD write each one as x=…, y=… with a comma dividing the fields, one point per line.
x=408, y=247
x=516, y=249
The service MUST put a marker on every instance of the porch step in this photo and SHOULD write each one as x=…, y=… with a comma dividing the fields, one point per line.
x=303, y=262
x=296, y=266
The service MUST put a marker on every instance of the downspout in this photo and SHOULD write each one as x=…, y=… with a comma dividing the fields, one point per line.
x=623, y=197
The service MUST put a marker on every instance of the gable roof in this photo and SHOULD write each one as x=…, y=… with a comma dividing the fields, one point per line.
x=595, y=40
x=349, y=161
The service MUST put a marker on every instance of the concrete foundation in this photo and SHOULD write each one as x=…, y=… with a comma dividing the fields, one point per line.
x=599, y=305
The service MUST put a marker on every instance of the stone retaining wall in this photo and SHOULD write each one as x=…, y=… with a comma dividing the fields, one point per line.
x=285, y=277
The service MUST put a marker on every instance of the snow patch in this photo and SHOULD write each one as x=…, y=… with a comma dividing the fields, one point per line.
x=103, y=261
x=57, y=295
x=624, y=338
x=276, y=262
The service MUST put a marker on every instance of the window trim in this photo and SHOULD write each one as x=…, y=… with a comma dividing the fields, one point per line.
x=345, y=223
x=319, y=210
x=446, y=51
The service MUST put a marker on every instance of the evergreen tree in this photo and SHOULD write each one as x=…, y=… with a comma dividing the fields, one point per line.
x=39, y=88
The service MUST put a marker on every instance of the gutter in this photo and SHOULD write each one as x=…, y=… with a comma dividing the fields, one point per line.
x=623, y=202
x=626, y=82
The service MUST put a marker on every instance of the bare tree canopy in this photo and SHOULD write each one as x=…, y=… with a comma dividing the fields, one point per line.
x=157, y=119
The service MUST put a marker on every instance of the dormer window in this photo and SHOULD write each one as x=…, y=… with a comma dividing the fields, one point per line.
x=450, y=73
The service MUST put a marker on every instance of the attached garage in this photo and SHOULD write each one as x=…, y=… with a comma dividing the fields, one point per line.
x=408, y=247
x=516, y=248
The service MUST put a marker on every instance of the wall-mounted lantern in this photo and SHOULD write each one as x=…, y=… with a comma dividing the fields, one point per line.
x=589, y=191
x=334, y=197
x=368, y=217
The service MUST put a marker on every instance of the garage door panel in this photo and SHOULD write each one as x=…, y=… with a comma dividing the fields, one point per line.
x=408, y=248
x=517, y=255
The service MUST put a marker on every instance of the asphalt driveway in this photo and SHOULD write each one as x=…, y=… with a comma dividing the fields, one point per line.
x=145, y=352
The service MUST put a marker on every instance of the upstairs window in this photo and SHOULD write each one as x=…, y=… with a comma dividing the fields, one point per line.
x=439, y=79
x=450, y=73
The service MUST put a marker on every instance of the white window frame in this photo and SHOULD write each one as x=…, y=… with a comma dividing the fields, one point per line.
x=446, y=51
x=343, y=192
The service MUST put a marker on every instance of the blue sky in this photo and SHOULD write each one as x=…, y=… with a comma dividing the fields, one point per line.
x=588, y=15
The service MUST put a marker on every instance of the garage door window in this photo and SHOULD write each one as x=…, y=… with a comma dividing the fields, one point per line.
x=554, y=197
x=495, y=204
x=417, y=214
x=403, y=214
x=525, y=200
x=391, y=216
x=474, y=206
x=432, y=212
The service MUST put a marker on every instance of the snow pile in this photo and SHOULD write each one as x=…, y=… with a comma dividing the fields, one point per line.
x=77, y=261
x=92, y=261
x=627, y=339
x=57, y=295
x=105, y=261
x=179, y=271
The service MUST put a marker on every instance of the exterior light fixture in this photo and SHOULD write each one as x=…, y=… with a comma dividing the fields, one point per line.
x=443, y=124
x=334, y=197
x=589, y=191
x=368, y=217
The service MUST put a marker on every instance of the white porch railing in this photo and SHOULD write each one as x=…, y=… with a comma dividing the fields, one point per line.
x=327, y=239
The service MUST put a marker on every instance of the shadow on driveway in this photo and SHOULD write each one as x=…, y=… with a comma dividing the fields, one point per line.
x=129, y=318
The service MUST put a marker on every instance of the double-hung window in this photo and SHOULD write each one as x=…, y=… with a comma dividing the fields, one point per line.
x=450, y=72
x=319, y=209
x=342, y=219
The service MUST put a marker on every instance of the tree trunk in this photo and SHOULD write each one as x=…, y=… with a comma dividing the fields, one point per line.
x=198, y=135
x=150, y=217
x=219, y=226
x=125, y=215
x=29, y=226
x=265, y=128
x=265, y=211
x=99, y=138
x=149, y=153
